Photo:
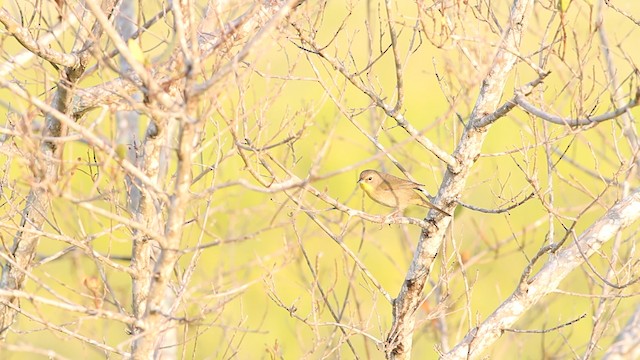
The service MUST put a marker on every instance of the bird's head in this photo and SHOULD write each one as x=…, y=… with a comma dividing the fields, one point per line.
x=369, y=180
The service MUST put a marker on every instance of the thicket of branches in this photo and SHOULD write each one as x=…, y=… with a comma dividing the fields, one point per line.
x=179, y=179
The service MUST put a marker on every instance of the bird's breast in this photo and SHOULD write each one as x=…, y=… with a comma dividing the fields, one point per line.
x=366, y=187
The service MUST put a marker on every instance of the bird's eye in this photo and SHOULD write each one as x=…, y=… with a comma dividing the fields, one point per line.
x=370, y=178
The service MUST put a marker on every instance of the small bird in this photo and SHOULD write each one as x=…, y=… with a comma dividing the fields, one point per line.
x=393, y=191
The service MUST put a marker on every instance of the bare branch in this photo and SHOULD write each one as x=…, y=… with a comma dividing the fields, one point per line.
x=620, y=216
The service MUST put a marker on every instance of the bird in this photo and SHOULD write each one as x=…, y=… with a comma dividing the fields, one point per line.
x=393, y=191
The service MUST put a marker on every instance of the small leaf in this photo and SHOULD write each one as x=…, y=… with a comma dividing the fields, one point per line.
x=563, y=5
x=136, y=51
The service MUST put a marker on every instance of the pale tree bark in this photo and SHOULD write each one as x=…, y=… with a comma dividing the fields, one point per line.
x=127, y=138
x=625, y=345
x=156, y=244
x=148, y=156
x=532, y=289
x=488, y=109
x=45, y=166
x=607, y=304
x=399, y=340
x=154, y=302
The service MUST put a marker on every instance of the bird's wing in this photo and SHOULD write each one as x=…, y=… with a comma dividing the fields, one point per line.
x=401, y=187
x=399, y=183
x=409, y=185
x=406, y=184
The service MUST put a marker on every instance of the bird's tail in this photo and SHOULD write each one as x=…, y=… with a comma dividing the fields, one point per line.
x=428, y=204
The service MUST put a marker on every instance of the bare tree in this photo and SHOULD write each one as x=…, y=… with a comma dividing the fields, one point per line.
x=180, y=179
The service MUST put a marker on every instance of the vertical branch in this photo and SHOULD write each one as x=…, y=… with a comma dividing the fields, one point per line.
x=607, y=303
x=127, y=121
x=629, y=128
x=157, y=317
x=399, y=340
x=150, y=213
x=155, y=307
x=46, y=166
x=626, y=345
